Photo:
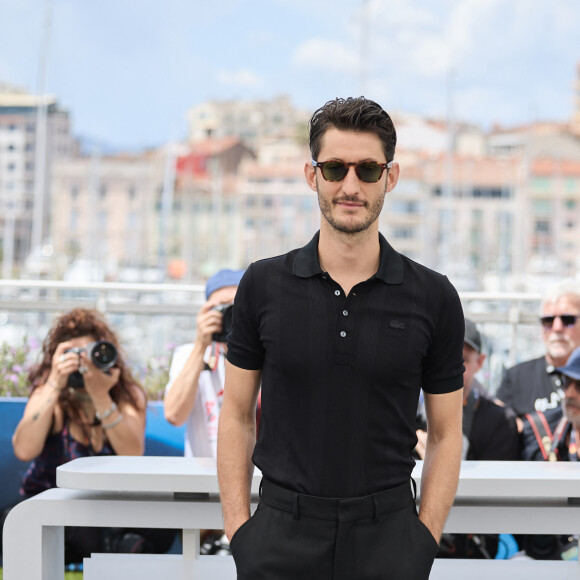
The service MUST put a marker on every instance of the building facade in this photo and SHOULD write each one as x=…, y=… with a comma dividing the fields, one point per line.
x=34, y=133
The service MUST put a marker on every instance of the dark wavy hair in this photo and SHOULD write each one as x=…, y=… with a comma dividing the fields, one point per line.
x=353, y=114
x=74, y=324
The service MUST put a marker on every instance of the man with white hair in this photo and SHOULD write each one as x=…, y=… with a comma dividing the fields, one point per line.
x=536, y=385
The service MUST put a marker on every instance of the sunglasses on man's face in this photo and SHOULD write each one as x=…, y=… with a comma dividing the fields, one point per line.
x=367, y=171
x=570, y=382
x=568, y=320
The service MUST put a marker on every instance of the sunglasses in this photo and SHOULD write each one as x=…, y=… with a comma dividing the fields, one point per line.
x=568, y=320
x=367, y=171
x=570, y=382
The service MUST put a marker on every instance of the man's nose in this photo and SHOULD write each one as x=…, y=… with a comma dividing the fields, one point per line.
x=351, y=183
x=558, y=326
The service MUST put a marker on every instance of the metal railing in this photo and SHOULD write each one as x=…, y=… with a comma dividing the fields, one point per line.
x=152, y=317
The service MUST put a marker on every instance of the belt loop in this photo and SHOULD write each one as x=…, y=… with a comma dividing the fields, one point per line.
x=375, y=508
x=414, y=484
x=295, y=507
x=260, y=489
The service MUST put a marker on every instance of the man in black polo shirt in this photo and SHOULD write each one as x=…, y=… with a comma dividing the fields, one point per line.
x=341, y=334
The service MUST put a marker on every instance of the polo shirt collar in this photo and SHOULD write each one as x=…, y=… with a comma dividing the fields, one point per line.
x=390, y=266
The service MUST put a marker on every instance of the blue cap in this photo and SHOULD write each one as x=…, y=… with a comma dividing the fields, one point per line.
x=222, y=279
x=572, y=367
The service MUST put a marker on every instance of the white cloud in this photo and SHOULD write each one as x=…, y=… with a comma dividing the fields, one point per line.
x=242, y=78
x=324, y=54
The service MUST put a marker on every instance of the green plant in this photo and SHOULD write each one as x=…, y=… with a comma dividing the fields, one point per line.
x=15, y=363
x=154, y=377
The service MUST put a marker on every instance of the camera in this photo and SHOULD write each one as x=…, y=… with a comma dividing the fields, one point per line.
x=227, y=311
x=103, y=355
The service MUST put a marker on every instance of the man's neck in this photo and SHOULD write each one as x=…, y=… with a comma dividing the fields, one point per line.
x=349, y=258
x=556, y=362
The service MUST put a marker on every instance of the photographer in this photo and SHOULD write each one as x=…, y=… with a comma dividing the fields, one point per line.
x=196, y=377
x=83, y=402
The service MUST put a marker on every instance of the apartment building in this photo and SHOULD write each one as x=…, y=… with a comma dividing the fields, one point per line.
x=550, y=210
x=106, y=210
x=251, y=121
x=22, y=161
x=206, y=220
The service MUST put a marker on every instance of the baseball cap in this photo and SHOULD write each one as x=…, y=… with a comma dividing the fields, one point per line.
x=222, y=279
x=572, y=367
x=472, y=335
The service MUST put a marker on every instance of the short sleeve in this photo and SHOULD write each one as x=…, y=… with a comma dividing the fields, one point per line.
x=443, y=366
x=178, y=360
x=245, y=349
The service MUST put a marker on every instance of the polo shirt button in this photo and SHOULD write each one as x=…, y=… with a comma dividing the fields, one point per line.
x=345, y=312
x=343, y=333
x=337, y=292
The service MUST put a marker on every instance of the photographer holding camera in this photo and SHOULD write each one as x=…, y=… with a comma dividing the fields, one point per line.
x=196, y=378
x=83, y=402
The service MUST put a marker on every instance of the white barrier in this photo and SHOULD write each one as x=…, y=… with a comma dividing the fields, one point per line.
x=164, y=492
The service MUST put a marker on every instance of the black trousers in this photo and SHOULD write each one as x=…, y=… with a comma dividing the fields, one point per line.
x=292, y=536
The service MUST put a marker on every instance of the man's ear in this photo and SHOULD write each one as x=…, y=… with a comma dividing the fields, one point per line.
x=310, y=174
x=393, y=176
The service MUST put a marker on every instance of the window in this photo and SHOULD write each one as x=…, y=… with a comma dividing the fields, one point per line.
x=541, y=183
x=103, y=191
x=74, y=192
x=542, y=206
x=74, y=220
x=102, y=221
x=403, y=233
x=404, y=207
x=132, y=220
x=542, y=227
x=570, y=204
x=132, y=192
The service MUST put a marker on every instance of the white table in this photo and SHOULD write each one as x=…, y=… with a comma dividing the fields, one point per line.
x=164, y=492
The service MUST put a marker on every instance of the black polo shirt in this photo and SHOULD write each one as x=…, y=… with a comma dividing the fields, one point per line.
x=341, y=375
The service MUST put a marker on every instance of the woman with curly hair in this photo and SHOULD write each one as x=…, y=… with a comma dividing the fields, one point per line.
x=76, y=410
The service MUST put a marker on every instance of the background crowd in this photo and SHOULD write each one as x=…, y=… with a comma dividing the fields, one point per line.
x=81, y=406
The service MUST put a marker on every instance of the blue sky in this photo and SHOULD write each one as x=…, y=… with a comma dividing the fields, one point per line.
x=128, y=70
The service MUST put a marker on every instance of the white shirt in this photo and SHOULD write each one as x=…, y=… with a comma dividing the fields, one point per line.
x=201, y=425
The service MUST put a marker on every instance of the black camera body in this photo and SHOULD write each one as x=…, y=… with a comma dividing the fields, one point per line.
x=103, y=355
x=227, y=311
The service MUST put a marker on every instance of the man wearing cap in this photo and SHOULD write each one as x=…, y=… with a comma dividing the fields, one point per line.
x=553, y=435
x=194, y=392
x=536, y=385
x=489, y=431
x=566, y=437
x=561, y=425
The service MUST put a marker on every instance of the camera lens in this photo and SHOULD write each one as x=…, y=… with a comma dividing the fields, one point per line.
x=103, y=354
x=227, y=311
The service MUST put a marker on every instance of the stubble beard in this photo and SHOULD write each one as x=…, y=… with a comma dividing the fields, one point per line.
x=347, y=226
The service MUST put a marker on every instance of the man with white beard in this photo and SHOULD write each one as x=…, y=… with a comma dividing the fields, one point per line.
x=536, y=385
